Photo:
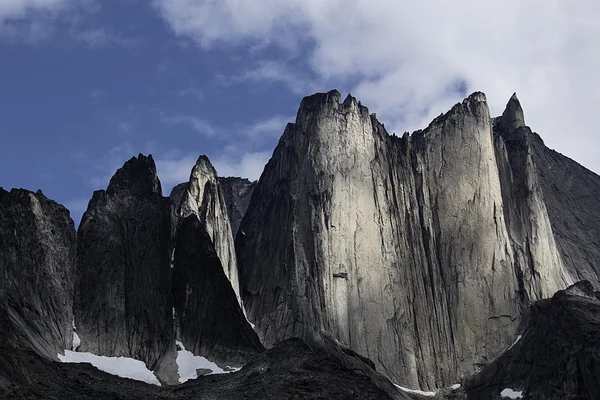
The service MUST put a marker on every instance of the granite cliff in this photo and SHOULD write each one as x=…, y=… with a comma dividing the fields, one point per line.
x=421, y=252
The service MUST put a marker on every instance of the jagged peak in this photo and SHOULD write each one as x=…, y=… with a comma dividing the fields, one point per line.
x=204, y=166
x=136, y=177
x=513, y=116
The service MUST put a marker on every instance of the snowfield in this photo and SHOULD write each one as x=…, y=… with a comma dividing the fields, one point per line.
x=119, y=366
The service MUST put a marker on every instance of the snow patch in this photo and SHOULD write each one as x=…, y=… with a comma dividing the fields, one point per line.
x=188, y=363
x=76, y=341
x=246, y=316
x=415, y=391
x=120, y=366
x=511, y=394
x=456, y=386
x=516, y=341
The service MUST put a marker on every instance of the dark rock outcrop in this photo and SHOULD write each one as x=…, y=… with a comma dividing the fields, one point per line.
x=291, y=370
x=211, y=322
x=37, y=262
x=237, y=193
x=401, y=248
x=555, y=357
x=123, y=302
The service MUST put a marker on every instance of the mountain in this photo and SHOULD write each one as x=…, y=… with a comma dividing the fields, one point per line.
x=464, y=253
x=422, y=253
x=123, y=302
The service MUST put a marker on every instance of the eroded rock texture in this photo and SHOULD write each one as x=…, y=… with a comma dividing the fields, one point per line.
x=555, y=357
x=123, y=303
x=37, y=260
x=203, y=197
x=211, y=322
x=237, y=193
x=399, y=247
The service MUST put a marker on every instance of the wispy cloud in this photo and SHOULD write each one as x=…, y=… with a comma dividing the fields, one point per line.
x=198, y=124
x=271, y=72
x=94, y=94
x=102, y=37
x=266, y=129
x=192, y=90
x=32, y=21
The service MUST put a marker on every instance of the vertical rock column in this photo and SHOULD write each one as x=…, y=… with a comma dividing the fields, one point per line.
x=123, y=303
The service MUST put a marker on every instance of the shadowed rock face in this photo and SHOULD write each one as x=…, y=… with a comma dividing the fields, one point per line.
x=557, y=354
x=37, y=260
x=237, y=193
x=572, y=197
x=123, y=302
x=400, y=247
x=211, y=322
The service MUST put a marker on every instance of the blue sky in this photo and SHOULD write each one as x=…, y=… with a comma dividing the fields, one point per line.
x=87, y=84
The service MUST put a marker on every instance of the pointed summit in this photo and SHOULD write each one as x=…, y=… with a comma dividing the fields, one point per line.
x=513, y=117
x=137, y=177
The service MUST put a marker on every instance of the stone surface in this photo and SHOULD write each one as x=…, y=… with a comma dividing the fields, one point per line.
x=211, y=322
x=237, y=193
x=204, y=198
x=37, y=262
x=123, y=301
x=401, y=248
x=557, y=354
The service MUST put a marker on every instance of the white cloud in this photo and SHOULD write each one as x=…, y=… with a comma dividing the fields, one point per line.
x=174, y=169
x=405, y=56
x=246, y=165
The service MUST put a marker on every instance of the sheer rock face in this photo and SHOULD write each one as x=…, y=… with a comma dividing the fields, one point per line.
x=211, y=322
x=37, y=261
x=399, y=248
x=529, y=227
x=204, y=198
x=123, y=303
x=237, y=193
